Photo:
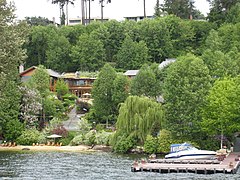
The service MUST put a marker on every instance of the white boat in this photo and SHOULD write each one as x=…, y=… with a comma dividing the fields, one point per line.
x=186, y=152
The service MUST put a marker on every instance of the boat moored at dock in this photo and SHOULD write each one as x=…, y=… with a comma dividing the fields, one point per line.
x=186, y=151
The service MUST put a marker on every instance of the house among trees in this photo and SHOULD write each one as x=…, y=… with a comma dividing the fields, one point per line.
x=137, y=18
x=78, y=84
x=26, y=75
x=81, y=86
x=131, y=73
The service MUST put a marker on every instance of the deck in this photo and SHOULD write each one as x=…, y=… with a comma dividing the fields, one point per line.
x=228, y=165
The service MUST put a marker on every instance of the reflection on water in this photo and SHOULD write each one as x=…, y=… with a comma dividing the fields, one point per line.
x=86, y=166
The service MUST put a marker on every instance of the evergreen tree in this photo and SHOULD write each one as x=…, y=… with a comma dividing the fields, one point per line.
x=180, y=8
x=157, y=9
x=219, y=10
x=11, y=56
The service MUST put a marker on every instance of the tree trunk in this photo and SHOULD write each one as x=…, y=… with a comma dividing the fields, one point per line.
x=66, y=14
x=89, y=12
x=144, y=7
x=83, y=13
x=102, y=10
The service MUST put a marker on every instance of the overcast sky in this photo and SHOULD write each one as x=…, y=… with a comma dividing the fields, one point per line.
x=115, y=10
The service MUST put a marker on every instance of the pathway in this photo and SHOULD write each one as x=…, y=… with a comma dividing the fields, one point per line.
x=73, y=118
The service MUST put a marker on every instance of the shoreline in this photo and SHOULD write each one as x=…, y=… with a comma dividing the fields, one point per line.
x=80, y=148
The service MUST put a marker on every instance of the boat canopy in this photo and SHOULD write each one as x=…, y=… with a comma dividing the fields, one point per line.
x=179, y=147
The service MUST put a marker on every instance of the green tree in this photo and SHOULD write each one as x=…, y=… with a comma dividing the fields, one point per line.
x=180, y=8
x=220, y=64
x=155, y=33
x=38, y=21
x=40, y=81
x=37, y=46
x=233, y=15
x=14, y=129
x=144, y=84
x=11, y=55
x=219, y=10
x=157, y=9
x=102, y=92
x=57, y=53
x=221, y=113
x=61, y=88
x=185, y=87
x=89, y=53
x=115, y=38
x=120, y=91
x=138, y=117
x=132, y=54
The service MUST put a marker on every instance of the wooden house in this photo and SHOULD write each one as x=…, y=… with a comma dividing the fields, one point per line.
x=79, y=85
x=27, y=74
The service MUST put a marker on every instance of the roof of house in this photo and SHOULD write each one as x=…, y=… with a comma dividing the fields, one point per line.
x=50, y=72
x=53, y=73
x=75, y=75
x=131, y=72
x=166, y=63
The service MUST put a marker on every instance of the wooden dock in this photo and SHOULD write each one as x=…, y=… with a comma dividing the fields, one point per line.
x=228, y=165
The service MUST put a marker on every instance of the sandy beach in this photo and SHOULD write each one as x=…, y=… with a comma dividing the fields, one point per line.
x=80, y=148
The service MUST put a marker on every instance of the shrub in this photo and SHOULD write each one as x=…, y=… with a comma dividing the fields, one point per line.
x=77, y=140
x=66, y=141
x=124, y=144
x=13, y=129
x=103, y=138
x=151, y=144
x=165, y=141
x=90, y=138
x=84, y=126
x=30, y=136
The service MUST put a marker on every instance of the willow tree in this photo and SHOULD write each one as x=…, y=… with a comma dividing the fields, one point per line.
x=138, y=117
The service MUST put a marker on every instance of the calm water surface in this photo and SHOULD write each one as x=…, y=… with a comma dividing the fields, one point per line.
x=86, y=166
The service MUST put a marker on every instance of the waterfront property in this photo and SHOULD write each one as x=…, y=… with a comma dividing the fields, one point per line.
x=79, y=85
x=27, y=74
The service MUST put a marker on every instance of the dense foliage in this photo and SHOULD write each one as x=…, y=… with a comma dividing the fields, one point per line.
x=126, y=45
x=138, y=117
x=11, y=55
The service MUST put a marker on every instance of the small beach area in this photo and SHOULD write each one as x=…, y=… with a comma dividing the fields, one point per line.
x=79, y=148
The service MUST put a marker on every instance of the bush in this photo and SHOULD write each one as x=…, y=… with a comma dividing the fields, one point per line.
x=103, y=138
x=90, y=138
x=67, y=140
x=151, y=144
x=124, y=144
x=30, y=136
x=165, y=141
x=84, y=126
x=77, y=140
x=70, y=97
x=13, y=130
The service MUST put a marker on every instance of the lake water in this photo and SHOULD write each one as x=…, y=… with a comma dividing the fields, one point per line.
x=86, y=166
